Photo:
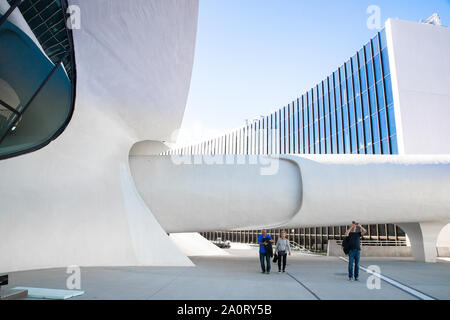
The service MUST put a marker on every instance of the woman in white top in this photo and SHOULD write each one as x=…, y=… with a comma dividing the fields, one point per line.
x=282, y=249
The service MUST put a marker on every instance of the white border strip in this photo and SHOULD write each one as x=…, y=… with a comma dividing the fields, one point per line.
x=400, y=286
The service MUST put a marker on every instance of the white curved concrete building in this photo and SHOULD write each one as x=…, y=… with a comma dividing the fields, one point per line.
x=98, y=196
x=74, y=202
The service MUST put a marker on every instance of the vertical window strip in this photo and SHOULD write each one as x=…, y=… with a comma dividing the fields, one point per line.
x=354, y=69
x=383, y=72
x=374, y=116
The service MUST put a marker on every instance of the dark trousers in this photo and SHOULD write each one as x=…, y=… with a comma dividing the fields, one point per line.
x=353, y=258
x=266, y=257
x=282, y=257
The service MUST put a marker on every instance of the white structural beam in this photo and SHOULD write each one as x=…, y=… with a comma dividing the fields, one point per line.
x=373, y=189
x=205, y=197
x=298, y=191
x=187, y=193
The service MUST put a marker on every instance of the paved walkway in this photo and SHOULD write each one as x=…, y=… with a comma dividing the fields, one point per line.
x=237, y=276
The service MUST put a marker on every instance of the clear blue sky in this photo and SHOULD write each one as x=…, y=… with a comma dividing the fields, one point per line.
x=255, y=56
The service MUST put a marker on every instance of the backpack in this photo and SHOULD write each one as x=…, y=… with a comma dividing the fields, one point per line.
x=268, y=247
x=346, y=245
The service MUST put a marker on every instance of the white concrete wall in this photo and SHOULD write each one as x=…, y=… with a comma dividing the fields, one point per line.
x=420, y=71
x=74, y=202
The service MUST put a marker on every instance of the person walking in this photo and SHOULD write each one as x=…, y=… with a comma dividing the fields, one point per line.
x=264, y=241
x=282, y=249
x=354, y=234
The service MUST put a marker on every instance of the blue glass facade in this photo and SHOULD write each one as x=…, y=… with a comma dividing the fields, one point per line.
x=351, y=112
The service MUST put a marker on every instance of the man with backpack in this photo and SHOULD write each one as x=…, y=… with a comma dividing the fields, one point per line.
x=353, y=245
x=265, y=250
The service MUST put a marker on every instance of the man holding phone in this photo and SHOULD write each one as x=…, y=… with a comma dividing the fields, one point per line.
x=354, y=233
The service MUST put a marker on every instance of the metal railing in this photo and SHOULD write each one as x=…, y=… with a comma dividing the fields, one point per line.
x=380, y=243
x=297, y=247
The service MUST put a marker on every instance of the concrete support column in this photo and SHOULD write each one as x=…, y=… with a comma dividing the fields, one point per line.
x=423, y=237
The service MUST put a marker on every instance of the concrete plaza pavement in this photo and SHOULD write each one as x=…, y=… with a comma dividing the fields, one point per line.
x=238, y=276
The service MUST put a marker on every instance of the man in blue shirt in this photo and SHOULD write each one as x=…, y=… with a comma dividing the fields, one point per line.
x=263, y=240
x=354, y=233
